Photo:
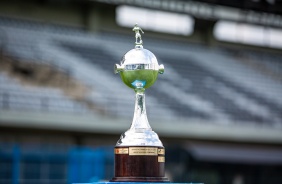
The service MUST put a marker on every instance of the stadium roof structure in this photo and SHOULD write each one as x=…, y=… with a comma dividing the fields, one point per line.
x=268, y=13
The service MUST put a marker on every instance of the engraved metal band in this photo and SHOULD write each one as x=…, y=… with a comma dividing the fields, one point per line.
x=141, y=151
x=152, y=66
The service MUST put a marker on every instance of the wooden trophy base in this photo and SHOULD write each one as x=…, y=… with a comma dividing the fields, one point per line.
x=140, y=179
x=139, y=164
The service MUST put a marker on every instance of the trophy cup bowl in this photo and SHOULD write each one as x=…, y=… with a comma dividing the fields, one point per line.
x=139, y=68
x=139, y=153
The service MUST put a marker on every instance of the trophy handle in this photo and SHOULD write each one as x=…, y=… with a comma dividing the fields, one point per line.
x=118, y=68
x=161, y=69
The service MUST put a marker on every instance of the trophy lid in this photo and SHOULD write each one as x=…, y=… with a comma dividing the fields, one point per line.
x=140, y=56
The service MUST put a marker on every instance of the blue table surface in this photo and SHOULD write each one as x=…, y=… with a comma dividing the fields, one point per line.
x=136, y=183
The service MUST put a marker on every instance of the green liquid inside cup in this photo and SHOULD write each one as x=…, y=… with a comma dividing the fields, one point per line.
x=148, y=77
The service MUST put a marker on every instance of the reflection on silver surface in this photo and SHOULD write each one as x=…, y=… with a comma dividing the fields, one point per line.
x=137, y=59
x=139, y=70
x=141, y=66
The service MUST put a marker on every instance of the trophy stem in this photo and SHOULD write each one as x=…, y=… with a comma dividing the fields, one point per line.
x=140, y=120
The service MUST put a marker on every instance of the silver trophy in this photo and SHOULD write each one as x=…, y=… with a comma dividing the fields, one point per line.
x=139, y=153
x=139, y=70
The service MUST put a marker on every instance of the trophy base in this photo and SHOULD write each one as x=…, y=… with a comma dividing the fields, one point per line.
x=140, y=179
x=139, y=164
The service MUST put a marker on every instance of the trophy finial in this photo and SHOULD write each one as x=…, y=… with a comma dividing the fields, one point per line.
x=138, y=42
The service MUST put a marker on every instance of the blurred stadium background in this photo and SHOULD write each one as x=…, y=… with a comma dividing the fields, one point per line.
x=217, y=108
